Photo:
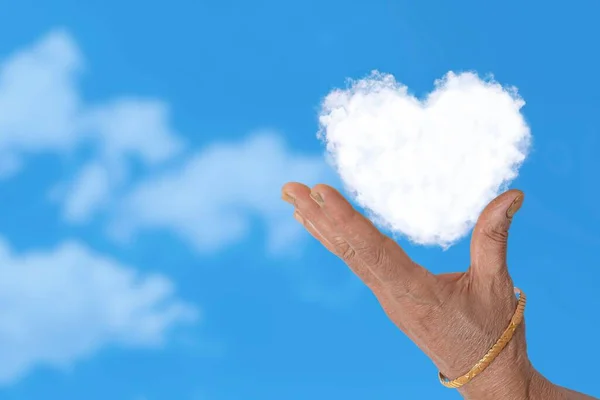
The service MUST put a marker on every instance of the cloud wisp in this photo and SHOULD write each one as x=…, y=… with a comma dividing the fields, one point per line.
x=211, y=199
x=43, y=111
x=61, y=305
x=64, y=304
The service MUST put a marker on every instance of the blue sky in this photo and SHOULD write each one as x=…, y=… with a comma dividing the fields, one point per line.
x=164, y=266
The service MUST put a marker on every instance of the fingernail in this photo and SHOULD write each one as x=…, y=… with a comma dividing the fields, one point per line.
x=317, y=198
x=285, y=196
x=298, y=217
x=515, y=206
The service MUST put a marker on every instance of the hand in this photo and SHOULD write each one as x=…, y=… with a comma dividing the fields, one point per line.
x=454, y=318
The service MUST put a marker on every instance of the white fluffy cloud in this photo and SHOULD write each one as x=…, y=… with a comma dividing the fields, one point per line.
x=38, y=98
x=425, y=168
x=62, y=305
x=211, y=199
x=42, y=110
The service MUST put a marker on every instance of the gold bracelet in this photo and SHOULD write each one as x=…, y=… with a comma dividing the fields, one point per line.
x=494, y=351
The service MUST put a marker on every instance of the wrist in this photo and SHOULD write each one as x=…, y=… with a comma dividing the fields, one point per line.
x=511, y=376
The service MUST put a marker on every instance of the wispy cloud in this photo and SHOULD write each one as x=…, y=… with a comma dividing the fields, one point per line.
x=66, y=303
x=211, y=199
x=43, y=111
x=63, y=304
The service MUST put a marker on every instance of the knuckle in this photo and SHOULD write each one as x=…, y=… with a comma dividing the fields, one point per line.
x=496, y=235
x=372, y=249
x=343, y=249
x=348, y=254
x=373, y=256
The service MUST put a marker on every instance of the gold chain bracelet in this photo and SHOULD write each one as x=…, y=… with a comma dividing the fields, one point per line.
x=494, y=351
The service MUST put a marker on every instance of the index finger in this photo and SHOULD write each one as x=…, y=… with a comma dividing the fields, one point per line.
x=384, y=257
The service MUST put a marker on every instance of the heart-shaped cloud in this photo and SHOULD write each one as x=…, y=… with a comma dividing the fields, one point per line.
x=425, y=169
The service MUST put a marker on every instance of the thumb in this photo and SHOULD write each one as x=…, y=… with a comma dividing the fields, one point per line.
x=490, y=236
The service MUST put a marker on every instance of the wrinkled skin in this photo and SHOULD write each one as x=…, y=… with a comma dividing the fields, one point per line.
x=454, y=318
